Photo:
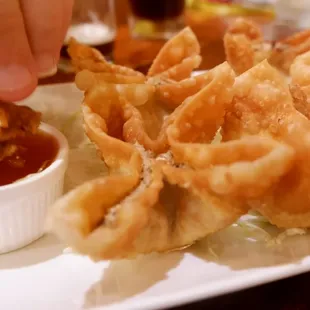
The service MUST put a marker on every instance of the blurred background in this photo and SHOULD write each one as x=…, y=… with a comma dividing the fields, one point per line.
x=131, y=32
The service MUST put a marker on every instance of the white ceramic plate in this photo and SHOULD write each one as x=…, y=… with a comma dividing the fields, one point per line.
x=44, y=276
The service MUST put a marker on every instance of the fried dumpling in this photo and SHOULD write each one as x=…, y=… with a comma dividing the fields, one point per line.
x=159, y=202
x=177, y=58
x=244, y=45
x=263, y=106
x=285, y=51
x=300, y=83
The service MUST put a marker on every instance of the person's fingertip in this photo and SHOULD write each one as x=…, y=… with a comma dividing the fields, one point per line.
x=16, y=82
x=46, y=65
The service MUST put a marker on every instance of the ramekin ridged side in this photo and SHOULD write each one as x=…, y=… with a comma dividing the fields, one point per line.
x=24, y=204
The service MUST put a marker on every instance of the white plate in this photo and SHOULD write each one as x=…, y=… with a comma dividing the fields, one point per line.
x=42, y=276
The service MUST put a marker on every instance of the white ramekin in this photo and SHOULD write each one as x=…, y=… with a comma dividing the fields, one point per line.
x=24, y=204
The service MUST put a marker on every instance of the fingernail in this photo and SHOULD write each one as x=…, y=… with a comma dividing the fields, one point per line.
x=14, y=77
x=46, y=65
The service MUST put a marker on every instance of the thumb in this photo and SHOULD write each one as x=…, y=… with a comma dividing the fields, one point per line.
x=17, y=67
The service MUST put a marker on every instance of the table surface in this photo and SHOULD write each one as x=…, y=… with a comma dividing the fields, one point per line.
x=288, y=294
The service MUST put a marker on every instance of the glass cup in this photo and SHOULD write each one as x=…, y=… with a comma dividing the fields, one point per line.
x=93, y=23
x=156, y=19
x=292, y=16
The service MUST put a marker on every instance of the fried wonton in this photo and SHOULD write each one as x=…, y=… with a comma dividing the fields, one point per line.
x=263, y=106
x=244, y=45
x=153, y=96
x=169, y=185
x=285, y=51
x=300, y=83
x=301, y=100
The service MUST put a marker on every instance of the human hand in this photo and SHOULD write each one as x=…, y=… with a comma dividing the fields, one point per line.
x=31, y=36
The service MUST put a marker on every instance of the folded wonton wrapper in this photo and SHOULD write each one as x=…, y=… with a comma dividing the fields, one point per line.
x=263, y=106
x=284, y=52
x=245, y=47
x=300, y=84
x=168, y=185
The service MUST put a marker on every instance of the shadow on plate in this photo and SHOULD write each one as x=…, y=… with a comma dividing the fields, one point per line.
x=234, y=247
x=127, y=278
x=240, y=249
x=41, y=250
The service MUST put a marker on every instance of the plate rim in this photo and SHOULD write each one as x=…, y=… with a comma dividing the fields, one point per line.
x=254, y=277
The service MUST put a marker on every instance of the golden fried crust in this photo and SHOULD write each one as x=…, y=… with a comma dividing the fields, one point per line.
x=193, y=121
x=300, y=100
x=247, y=171
x=175, y=54
x=147, y=210
x=299, y=70
x=285, y=51
x=300, y=83
x=160, y=200
x=92, y=69
x=244, y=45
x=263, y=106
x=143, y=122
x=86, y=79
x=84, y=57
x=239, y=52
x=169, y=184
x=139, y=104
x=173, y=94
x=246, y=27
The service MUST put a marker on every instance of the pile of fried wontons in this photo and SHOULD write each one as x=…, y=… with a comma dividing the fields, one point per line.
x=188, y=155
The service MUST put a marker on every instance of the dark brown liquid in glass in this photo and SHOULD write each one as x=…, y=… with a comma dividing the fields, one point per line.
x=35, y=153
x=157, y=10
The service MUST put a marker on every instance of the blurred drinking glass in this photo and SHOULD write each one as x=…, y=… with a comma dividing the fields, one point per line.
x=157, y=19
x=292, y=16
x=93, y=23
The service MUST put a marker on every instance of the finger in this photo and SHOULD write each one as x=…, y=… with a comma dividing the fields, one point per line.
x=67, y=11
x=17, y=68
x=46, y=23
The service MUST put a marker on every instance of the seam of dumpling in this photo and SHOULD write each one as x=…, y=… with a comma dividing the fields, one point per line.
x=144, y=183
